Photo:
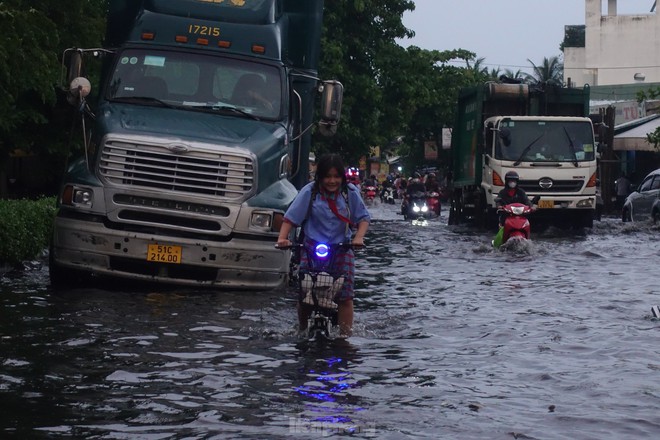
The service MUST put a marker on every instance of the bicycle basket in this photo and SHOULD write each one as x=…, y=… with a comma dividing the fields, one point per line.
x=322, y=285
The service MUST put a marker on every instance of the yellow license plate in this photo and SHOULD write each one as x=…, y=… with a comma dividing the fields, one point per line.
x=546, y=204
x=161, y=253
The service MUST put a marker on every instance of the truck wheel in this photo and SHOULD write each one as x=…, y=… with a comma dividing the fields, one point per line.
x=454, y=214
x=62, y=277
x=481, y=212
x=59, y=277
x=488, y=215
x=492, y=222
x=451, y=218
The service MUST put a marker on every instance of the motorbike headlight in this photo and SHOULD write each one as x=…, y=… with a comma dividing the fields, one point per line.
x=425, y=208
x=416, y=208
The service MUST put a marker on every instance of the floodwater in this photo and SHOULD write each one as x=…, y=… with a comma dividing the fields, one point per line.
x=453, y=340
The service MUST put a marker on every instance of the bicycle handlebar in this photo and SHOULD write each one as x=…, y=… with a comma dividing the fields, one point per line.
x=332, y=246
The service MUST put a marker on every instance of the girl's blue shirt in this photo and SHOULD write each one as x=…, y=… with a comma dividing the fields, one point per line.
x=323, y=225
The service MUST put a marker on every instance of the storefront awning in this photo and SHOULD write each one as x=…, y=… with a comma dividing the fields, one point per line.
x=634, y=138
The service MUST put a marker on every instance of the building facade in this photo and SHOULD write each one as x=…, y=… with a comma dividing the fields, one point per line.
x=611, y=48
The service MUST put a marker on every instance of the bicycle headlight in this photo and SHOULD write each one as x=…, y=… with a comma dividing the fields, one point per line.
x=322, y=250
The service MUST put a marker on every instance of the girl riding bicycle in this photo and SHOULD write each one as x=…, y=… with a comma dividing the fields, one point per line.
x=328, y=209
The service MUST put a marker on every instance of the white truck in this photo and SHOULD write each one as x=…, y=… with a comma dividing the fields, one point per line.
x=544, y=134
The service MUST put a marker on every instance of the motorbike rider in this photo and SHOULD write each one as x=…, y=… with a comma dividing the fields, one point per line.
x=370, y=181
x=511, y=193
x=353, y=176
x=413, y=187
x=432, y=184
x=387, y=184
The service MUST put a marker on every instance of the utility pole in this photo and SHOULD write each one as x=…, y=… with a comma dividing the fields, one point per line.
x=608, y=160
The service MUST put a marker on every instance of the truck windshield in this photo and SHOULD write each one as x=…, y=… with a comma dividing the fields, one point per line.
x=183, y=79
x=546, y=141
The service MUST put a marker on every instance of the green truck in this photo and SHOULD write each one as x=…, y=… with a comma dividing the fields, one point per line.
x=543, y=133
x=196, y=143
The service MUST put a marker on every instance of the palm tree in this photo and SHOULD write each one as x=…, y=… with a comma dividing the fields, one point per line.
x=518, y=74
x=550, y=72
x=478, y=71
x=495, y=73
x=478, y=66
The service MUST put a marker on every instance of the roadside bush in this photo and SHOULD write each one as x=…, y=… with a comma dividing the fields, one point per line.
x=25, y=227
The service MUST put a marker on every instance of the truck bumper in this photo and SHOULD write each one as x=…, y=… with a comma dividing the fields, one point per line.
x=578, y=217
x=92, y=248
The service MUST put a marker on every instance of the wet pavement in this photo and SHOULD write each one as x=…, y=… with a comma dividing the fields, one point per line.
x=453, y=340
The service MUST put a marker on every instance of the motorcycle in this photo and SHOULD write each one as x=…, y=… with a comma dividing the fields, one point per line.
x=516, y=224
x=416, y=208
x=369, y=194
x=433, y=202
x=388, y=196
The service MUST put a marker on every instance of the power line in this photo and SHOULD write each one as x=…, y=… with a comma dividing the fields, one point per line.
x=529, y=66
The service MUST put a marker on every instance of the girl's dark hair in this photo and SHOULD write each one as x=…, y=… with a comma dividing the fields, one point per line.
x=325, y=164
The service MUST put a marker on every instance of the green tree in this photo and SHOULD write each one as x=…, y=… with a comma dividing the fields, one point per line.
x=477, y=69
x=358, y=48
x=391, y=92
x=34, y=35
x=550, y=71
x=643, y=95
x=434, y=85
x=518, y=74
x=494, y=73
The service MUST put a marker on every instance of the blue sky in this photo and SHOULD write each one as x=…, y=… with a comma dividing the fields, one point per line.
x=505, y=32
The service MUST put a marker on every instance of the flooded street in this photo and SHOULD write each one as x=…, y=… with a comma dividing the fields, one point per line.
x=453, y=340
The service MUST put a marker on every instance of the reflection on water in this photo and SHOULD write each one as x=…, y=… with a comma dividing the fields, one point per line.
x=326, y=390
x=453, y=339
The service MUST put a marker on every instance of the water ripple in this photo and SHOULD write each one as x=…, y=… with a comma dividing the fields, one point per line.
x=552, y=338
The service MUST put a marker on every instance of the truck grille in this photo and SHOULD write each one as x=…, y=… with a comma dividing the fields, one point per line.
x=558, y=186
x=210, y=173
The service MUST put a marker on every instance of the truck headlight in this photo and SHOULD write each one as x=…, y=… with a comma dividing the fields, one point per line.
x=261, y=220
x=77, y=196
x=585, y=203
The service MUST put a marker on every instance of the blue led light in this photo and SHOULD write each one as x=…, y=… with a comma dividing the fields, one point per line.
x=322, y=250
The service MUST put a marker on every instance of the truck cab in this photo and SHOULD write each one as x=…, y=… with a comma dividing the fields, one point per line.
x=197, y=143
x=541, y=132
x=555, y=157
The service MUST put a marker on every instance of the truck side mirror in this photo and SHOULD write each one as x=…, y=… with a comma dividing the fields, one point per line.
x=331, y=100
x=74, y=66
x=79, y=88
